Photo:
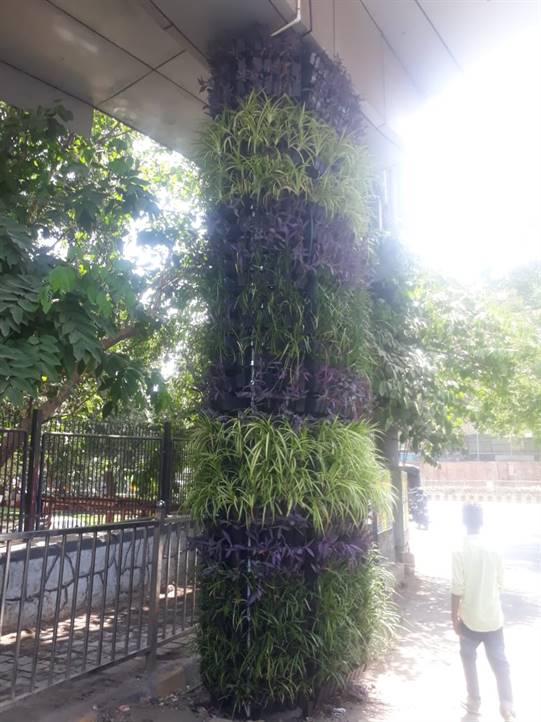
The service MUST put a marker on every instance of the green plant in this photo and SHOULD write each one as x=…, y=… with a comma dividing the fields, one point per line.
x=357, y=618
x=342, y=332
x=278, y=319
x=257, y=467
x=304, y=635
x=270, y=313
x=269, y=665
x=285, y=472
x=82, y=330
x=272, y=146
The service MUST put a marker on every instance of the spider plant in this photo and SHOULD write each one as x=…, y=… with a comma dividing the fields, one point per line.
x=246, y=674
x=259, y=467
x=357, y=618
x=272, y=146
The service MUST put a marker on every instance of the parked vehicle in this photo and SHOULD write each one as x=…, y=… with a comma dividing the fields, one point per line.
x=418, y=507
x=417, y=497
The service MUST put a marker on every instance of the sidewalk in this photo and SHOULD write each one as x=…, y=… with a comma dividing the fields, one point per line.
x=422, y=680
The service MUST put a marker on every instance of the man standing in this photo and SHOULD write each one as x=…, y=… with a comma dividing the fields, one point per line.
x=477, y=614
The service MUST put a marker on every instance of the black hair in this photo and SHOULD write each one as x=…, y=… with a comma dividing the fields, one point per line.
x=472, y=516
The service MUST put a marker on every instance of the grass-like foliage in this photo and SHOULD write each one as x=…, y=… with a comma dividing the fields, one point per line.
x=293, y=598
x=342, y=326
x=305, y=634
x=269, y=664
x=259, y=467
x=272, y=146
x=357, y=618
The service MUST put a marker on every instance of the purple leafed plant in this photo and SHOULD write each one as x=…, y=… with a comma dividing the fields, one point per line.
x=287, y=546
x=282, y=66
x=342, y=393
x=327, y=92
x=239, y=232
x=253, y=62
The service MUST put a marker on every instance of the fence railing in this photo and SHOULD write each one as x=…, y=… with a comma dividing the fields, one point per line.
x=13, y=465
x=67, y=474
x=75, y=600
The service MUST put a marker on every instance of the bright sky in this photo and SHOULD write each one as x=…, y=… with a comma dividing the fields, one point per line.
x=472, y=176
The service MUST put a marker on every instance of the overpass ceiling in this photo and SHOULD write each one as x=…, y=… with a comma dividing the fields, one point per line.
x=141, y=60
x=436, y=39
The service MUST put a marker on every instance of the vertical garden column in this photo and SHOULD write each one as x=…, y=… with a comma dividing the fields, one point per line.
x=286, y=472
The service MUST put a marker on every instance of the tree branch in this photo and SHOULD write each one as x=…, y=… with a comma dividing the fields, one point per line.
x=122, y=335
x=48, y=409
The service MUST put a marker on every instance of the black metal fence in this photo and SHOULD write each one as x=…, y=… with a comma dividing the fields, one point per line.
x=75, y=600
x=13, y=465
x=65, y=474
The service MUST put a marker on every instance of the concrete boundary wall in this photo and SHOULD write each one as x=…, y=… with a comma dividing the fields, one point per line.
x=481, y=496
x=106, y=577
x=517, y=473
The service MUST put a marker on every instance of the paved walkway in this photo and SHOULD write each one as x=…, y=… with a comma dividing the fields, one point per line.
x=422, y=680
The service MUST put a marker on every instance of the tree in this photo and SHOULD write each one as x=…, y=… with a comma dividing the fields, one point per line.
x=447, y=355
x=74, y=313
x=510, y=402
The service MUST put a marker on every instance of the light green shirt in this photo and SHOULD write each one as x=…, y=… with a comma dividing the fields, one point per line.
x=478, y=579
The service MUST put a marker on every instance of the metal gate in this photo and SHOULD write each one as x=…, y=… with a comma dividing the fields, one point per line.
x=67, y=474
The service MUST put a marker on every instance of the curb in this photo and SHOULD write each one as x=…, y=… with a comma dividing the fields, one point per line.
x=171, y=677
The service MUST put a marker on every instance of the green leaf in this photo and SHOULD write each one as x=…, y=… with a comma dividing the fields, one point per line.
x=63, y=279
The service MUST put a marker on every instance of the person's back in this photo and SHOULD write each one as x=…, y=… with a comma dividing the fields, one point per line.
x=477, y=612
x=480, y=567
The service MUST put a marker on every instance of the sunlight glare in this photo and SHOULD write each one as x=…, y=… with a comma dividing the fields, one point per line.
x=471, y=196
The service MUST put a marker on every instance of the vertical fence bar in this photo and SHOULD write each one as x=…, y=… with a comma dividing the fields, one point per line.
x=32, y=485
x=5, y=579
x=56, y=619
x=144, y=566
x=42, y=484
x=90, y=593
x=130, y=590
x=104, y=600
x=177, y=565
x=155, y=585
x=12, y=502
x=39, y=613
x=105, y=477
x=117, y=594
x=166, y=466
x=185, y=586
x=167, y=548
x=22, y=490
x=70, y=509
x=74, y=604
x=20, y=618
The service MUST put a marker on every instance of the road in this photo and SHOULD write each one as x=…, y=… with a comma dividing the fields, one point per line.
x=422, y=679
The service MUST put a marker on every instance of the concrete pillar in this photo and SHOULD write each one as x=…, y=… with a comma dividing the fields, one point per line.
x=390, y=451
